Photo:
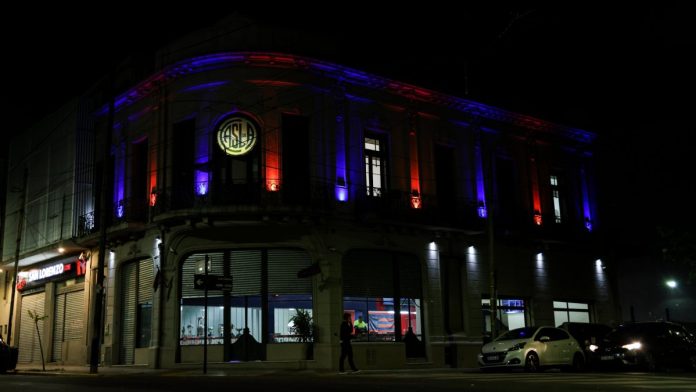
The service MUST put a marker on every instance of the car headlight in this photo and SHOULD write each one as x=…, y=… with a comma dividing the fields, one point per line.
x=632, y=346
x=593, y=347
x=518, y=346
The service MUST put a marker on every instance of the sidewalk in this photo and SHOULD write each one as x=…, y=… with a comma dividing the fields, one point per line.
x=53, y=369
x=214, y=369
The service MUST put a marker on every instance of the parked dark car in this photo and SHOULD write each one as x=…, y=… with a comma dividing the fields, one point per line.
x=589, y=336
x=8, y=356
x=649, y=345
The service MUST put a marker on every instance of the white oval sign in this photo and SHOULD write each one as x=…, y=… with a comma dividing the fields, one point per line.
x=237, y=135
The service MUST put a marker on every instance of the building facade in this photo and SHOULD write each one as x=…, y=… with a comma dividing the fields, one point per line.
x=296, y=184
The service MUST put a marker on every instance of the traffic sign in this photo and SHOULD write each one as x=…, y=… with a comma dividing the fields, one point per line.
x=212, y=282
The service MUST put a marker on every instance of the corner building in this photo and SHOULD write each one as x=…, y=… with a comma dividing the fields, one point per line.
x=299, y=184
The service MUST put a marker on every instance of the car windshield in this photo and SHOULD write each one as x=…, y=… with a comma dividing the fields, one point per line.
x=633, y=331
x=584, y=331
x=519, y=333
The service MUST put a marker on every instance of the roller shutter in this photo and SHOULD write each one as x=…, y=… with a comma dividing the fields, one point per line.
x=368, y=274
x=69, y=320
x=283, y=265
x=136, y=293
x=28, y=340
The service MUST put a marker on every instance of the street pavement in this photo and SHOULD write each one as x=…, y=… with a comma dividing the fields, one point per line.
x=214, y=369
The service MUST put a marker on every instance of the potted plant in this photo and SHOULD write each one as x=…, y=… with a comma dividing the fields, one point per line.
x=303, y=326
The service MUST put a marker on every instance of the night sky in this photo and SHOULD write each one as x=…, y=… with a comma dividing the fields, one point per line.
x=625, y=73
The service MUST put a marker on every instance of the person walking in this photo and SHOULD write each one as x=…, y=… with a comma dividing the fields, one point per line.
x=346, y=348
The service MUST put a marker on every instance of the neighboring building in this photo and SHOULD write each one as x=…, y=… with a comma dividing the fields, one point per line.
x=301, y=184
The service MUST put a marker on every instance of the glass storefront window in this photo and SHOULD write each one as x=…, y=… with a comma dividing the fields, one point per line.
x=570, y=311
x=510, y=314
x=144, y=325
x=192, y=327
x=193, y=321
x=410, y=317
x=378, y=313
x=281, y=310
x=286, y=294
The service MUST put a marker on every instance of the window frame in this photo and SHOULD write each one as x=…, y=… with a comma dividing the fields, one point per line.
x=376, y=158
x=556, y=198
x=568, y=309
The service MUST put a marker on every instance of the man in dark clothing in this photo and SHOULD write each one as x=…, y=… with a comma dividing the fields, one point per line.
x=346, y=347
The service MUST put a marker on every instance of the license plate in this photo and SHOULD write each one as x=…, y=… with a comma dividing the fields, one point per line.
x=606, y=357
x=491, y=357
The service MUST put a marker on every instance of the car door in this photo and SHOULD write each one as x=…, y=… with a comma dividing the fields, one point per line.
x=564, y=346
x=547, y=348
x=560, y=347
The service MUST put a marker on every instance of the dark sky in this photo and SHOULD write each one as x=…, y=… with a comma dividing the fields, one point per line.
x=625, y=73
x=586, y=66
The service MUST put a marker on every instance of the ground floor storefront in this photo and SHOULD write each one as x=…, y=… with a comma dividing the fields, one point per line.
x=412, y=297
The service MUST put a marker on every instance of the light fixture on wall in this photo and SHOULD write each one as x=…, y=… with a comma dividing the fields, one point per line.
x=537, y=217
x=416, y=201
x=481, y=209
x=153, y=197
x=588, y=224
x=341, y=190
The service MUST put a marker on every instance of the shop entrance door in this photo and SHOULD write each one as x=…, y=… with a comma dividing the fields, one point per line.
x=246, y=324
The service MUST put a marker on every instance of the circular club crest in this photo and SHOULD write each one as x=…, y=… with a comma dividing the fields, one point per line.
x=237, y=135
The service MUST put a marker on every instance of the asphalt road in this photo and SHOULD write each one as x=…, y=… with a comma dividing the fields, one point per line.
x=309, y=381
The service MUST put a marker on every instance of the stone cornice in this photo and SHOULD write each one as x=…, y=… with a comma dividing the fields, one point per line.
x=345, y=75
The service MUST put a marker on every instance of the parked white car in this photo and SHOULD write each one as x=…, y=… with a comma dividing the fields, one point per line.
x=532, y=348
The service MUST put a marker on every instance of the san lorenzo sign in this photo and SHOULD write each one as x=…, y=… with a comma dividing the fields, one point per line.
x=237, y=135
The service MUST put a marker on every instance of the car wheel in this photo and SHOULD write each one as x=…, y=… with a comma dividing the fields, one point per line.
x=692, y=362
x=531, y=363
x=578, y=363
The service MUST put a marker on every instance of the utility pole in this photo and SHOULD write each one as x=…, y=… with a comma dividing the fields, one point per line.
x=98, y=286
x=20, y=223
x=488, y=189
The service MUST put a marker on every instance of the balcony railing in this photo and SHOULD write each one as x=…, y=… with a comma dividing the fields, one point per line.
x=321, y=200
x=86, y=224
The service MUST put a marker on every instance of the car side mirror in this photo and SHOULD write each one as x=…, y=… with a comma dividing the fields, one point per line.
x=544, y=339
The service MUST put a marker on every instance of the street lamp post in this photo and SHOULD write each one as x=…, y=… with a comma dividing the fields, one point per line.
x=672, y=284
x=20, y=222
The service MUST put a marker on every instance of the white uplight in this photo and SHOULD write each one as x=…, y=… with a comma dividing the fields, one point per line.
x=671, y=284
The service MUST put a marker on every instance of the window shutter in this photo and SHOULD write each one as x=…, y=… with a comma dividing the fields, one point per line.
x=283, y=265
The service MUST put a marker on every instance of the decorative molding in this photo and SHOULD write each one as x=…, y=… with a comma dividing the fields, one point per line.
x=345, y=76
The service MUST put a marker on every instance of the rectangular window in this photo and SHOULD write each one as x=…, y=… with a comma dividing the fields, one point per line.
x=144, y=325
x=510, y=314
x=183, y=182
x=505, y=191
x=375, y=165
x=556, y=194
x=570, y=311
x=446, y=181
x=296, y=161
x=136, y=208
